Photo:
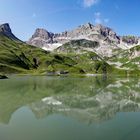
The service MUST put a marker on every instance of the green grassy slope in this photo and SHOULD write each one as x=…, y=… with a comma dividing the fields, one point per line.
x=128, y=60
x=18, y=57
x=77, y=46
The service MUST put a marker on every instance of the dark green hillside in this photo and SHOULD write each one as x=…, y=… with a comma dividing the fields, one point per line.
x=88, y=62
x=77, y=46
x=18, y=57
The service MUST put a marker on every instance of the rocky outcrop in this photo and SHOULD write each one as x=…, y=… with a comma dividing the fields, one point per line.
x=40, y=38
x=87, y=31
x=107, y=39
x=6, y=30
x=130, y=39
x=3, y=77
x=44, y=34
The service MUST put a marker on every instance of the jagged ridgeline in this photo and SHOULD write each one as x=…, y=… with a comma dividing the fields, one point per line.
x=108, y=41
x=121, y=52
x=73, y=56
x=18, y=57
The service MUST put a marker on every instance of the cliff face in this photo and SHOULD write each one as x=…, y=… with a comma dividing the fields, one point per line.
x=16, y=56
x=87, y=31
x=86, y=49
x=6, y=30
x=107, y=39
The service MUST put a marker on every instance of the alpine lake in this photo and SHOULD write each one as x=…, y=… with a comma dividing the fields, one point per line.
x=69, y=108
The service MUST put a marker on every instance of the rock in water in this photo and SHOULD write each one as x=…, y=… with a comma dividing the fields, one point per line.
x=3, y=77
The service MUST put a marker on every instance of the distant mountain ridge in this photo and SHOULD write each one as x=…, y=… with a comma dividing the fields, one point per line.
x=108, y=40
x=87, y=49
x=18, y=57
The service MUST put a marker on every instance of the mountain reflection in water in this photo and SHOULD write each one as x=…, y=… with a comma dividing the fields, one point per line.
x=88, y=100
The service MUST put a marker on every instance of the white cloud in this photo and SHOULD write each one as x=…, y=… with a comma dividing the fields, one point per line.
x=106, y=20
x=97, y=14
x=34, y=15
x=98, y=19
x=89, y=3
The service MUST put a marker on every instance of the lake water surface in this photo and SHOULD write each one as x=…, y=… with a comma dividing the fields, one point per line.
x=66, y=108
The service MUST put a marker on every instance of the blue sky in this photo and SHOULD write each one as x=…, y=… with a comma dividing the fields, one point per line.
x=25, y=16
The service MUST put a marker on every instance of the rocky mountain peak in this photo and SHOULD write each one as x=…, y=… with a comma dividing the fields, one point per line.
x=88, y=26
x=41, y=37
x=105, y=36
x=6, y=30
x=105, y=31
x=42, y=33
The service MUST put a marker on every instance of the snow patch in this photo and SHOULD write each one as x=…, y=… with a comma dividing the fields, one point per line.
x=51, y=101
x=51, y=47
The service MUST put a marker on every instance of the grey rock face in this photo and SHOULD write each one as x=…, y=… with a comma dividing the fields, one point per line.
x=42, y=33
x=130, y=39
x=108, y=33
x=91, y=32
x=87, y=31
x=41, y=38
x=6, y=30
x=108, y=40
